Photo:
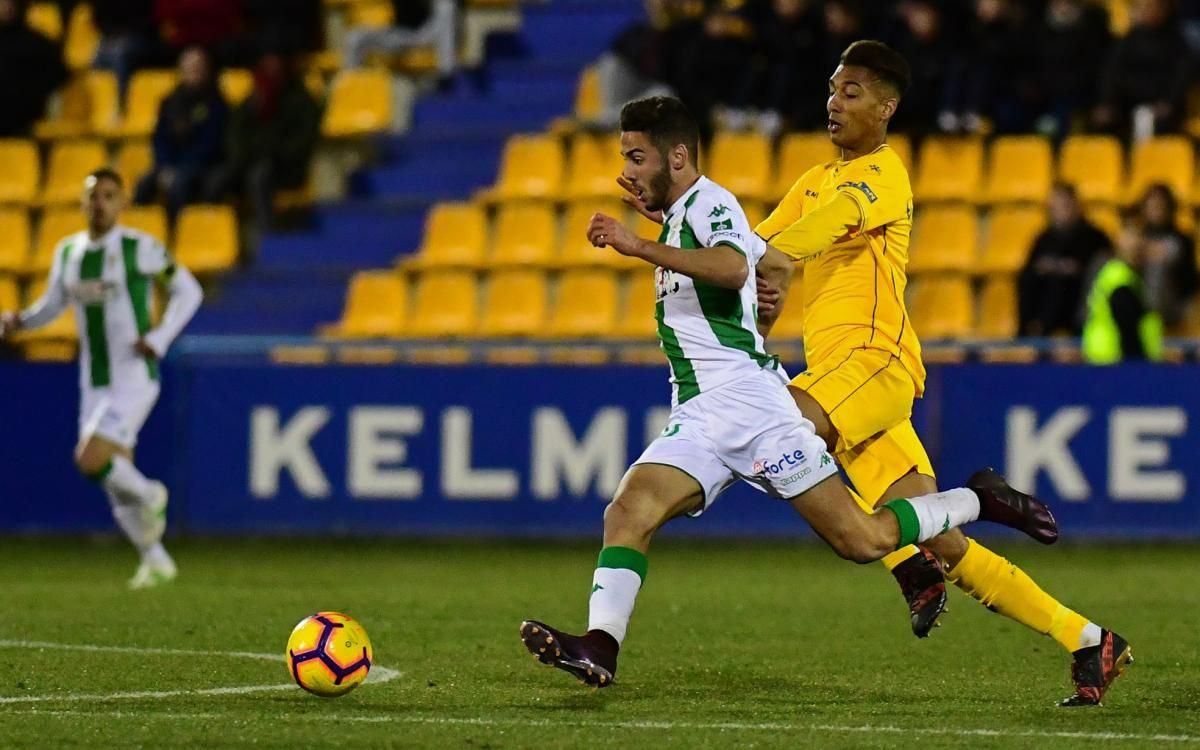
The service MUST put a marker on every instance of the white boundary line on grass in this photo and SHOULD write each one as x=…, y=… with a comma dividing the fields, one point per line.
x=376, y=675
x=636, y=724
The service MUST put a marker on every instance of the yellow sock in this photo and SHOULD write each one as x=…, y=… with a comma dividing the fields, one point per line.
x=894, y=558
x=1005, y=588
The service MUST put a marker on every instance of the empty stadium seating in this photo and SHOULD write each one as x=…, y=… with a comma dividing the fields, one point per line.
x=515, y=303
x=944, y=239
x=376, y=306
x=21, y=172
x=1011, y=231
x=147, y=89
x=455, y=235
x=949, y=169
x=942, y=306
x=998, y=308
x=741, y=163
x=447, y=305
x=134, y=160
x=593, y=167
x=635, y=319
x=1094, y=164
x=585, y=305
x=150, y=219
x=360, y=103
x=1019, y=169
x=10, y=297
x=69, y=163
x=15, y=240
x=799, y=152
x=206, y=238
x=531, y=167
x=1167, y=159
x=57, y=222
x=524, y=234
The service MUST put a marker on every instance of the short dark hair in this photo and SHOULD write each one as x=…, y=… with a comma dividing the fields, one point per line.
x=666, y=121
x=107, y=173
x=886, y=63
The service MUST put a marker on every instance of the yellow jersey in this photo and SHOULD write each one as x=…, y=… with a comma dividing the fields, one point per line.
x=853, y=292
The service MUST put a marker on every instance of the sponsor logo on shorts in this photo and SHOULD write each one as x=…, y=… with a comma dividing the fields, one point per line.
x=778, y=466
x=795, y=477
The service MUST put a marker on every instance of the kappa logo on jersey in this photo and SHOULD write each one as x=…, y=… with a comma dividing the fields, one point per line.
x=718, y=212
x=787, y=460
x=863, y=188
x=722, y=226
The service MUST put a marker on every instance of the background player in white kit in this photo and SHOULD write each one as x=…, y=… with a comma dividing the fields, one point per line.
x=108, y=272
x=732, y=417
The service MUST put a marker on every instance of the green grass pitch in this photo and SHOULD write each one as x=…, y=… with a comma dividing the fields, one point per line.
x=732, y=645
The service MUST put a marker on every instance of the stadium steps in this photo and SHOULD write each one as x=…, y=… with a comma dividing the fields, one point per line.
x=299, y=279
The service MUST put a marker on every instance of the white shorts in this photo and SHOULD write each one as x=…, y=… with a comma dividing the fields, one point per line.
x=116, y=414
x=751, y=430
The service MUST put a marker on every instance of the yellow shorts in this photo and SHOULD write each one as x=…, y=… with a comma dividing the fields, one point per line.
x=868, y=396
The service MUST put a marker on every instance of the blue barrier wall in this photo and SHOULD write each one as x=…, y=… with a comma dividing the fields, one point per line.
x=248, y=447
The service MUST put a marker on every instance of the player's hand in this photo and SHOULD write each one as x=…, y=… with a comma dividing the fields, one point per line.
x=605, y=231
x=9, y=322
x=634, y=198
x=143, y=348
x=768, y=295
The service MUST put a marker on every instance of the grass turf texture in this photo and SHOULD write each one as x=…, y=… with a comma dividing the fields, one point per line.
x=732, y=645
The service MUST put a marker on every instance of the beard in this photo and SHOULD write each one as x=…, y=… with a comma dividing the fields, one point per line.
x=657, y=190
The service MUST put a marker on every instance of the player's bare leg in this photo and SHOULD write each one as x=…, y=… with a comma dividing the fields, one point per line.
x=649, y=495
x=139, y=505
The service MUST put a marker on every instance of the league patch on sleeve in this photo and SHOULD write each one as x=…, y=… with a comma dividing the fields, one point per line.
x=863, y=188
x=722, y=226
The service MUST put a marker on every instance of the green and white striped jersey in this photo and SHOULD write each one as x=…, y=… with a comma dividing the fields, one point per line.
x=110, y=283
x=708, y=333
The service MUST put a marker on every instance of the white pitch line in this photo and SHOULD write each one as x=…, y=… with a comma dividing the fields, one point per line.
x=376, y=675
x=636, y=724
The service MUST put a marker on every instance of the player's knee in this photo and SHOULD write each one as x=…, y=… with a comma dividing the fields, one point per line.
x=631, y=513
x=859, y=547
x=89, y=462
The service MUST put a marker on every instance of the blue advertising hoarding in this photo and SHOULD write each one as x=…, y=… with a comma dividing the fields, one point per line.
x=251, y=447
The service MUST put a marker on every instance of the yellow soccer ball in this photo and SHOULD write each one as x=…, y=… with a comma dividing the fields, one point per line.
x=329, y=654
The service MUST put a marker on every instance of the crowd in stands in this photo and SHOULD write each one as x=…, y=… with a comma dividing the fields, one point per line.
x=999, y=66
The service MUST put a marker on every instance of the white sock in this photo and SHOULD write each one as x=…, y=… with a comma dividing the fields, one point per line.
x=614, y=591
x=129, y=519
x=126, y=482
x=1090, y=635
x=942, y=511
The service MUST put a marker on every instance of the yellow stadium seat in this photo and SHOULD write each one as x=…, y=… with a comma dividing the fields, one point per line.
x=70, y=162
x=447, y=304
x=360, y=103
x=524, y=234
x=147, y=89
x=57, y=222
x=901, y=144
x=83, y=38
x=1106, y=218
x=206, y=238
x=944, y=239
x=236, y=84
x=46, y=18
x=942, y=307
x=150, y=219
x=575, y=250
x=586, y=304
x=455, y=235
x=1019, y=169
x=949, y=169
x=636, y=317
x=373, y=14
x=531, y=167
x=515, y=303
x=798, y=153
x=587, y=94
x=14, y=239
x=741, y=163
x=1169, y=159
x=1095, y=165
x=376, y=306
x=134, y=160
x=593, y=167
x=998, y=308
x=1011, y=231
x=10, y=297
x=89, y=105
x=21, y=173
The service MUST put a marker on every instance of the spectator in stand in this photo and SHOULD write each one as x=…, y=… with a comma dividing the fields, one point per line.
x=989, y=88
x=271, y=138
x=780, y=80
x=1168, y=256
x=1070, y=44
x=1050, y=287
x=1145, y=79
x=212, y=24
x=188, y=136
x=32, y=68
x=127, y=37
x=417, y=23
x=1121, y=324
x=711, y=63
x=294, y=26
x=927, y=40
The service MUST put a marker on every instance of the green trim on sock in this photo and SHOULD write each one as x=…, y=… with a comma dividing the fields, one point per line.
x=910, y=525
x=102, y=474
x=623, y=557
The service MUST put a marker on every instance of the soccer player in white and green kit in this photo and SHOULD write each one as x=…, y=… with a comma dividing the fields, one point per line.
x=108, y=272
x=732, y=417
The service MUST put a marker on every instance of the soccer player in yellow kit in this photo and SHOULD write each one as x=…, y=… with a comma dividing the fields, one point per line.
x=849, y=221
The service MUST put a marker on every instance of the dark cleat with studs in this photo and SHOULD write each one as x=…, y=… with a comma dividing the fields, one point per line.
x=1096, y=667
x=924, y=587
x=591, y=658
x=1000, y=503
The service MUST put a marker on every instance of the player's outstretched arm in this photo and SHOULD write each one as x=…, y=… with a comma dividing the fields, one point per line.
x=774, y=277
x=46, y=309
x=184, y=296
x=817, y=231
x=722, y=265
